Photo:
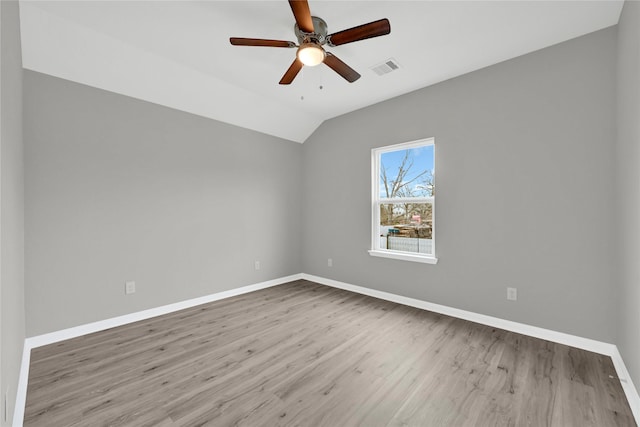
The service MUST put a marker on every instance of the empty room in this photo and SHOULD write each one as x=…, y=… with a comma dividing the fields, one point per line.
x=225, y=213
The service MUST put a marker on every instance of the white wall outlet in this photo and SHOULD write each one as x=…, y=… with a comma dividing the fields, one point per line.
x=329, y=262
x=130, y=288
x=512, y=294
x=256, y=265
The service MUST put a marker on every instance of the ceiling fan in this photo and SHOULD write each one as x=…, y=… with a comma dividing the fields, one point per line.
x=311, y=32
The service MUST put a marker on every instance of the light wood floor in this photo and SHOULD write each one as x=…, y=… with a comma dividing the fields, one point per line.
x=309, y=355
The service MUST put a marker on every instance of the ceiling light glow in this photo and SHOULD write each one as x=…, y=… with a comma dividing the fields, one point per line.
x=311, y=54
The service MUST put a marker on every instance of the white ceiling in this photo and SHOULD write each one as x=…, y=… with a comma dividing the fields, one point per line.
x=177, y=53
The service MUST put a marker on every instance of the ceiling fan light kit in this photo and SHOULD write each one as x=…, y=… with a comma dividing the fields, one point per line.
x=311, y=54
x=311, y=33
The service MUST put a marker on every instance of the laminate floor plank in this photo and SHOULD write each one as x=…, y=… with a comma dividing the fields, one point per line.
x=448, y=383
x=265, y=369
x=364, y=370
x=137, y=351
x=303, y=354
x=159, y=369
x=178, y=322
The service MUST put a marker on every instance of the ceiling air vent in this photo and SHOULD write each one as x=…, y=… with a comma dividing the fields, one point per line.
x=386, y=67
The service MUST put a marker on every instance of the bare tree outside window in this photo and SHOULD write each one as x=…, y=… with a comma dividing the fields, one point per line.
x=403, y=196
x=407, y=178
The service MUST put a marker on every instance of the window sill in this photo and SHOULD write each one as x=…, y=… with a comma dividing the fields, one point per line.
x=404, y=256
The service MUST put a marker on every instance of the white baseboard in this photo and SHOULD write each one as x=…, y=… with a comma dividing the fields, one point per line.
x=101, y=325
x=571, y=340
x=21, y=392
x=627, y=384
x=521, y=328
x=77, y=331
x=533, y=331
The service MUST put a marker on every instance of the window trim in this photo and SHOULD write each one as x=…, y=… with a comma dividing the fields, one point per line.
x=375, y=249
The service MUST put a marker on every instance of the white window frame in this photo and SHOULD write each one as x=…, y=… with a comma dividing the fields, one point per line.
x=376, y=201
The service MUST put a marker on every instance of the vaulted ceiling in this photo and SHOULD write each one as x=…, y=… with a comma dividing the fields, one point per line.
x=177, y=53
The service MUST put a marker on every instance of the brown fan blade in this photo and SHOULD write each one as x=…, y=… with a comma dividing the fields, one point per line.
x=241, y=41
x=341, y=68
x=301, y=12
x=291, y=73
x=361, y=32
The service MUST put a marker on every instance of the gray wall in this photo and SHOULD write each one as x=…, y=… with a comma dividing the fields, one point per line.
x=524, y=171
x=12, y=306
x=119, y=189
x=628, y=168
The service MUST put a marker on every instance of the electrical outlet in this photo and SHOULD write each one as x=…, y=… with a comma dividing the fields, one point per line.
x=512, y=294
x=256, y=265
x=129, y=288
x=329, y=262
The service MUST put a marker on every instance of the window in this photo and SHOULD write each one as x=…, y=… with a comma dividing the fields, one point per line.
x=403, y=201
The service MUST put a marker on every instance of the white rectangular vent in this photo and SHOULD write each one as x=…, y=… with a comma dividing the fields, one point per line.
x=386, y=67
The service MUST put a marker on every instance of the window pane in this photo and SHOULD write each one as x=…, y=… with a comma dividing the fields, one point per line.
x=406, y=227
x=407, y=173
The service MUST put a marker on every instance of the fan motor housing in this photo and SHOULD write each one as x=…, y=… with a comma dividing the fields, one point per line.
x=319, y=34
